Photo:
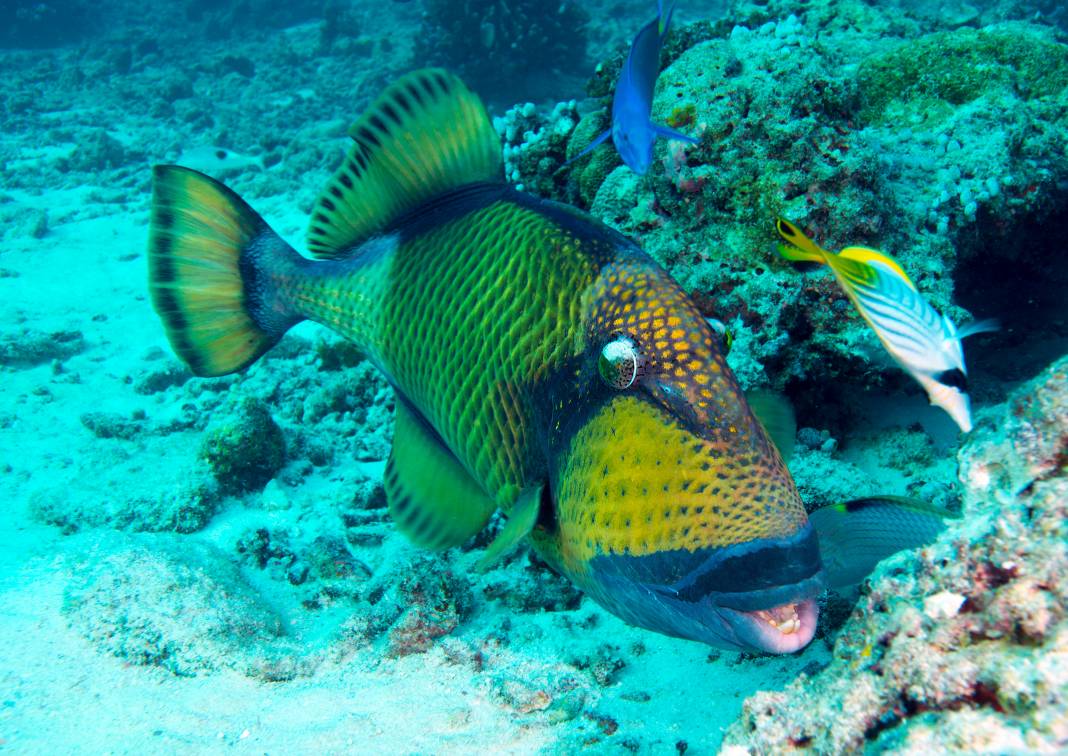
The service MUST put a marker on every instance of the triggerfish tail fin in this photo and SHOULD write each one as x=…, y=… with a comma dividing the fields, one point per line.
x=208, y=253
x=857, y=535
x=425, y=134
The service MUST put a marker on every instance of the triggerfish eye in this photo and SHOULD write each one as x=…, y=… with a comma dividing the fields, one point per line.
x=619, y=363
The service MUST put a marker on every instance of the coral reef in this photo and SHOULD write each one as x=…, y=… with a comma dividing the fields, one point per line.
x=937, y=134
x=852, y=133
x=962, y=645
x=245, y=449
x=508, y=36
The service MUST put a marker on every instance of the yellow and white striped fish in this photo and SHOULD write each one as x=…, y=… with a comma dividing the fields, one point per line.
x=920, y=339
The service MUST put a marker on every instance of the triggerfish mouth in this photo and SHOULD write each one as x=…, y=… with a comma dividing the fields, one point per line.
x=543, y=365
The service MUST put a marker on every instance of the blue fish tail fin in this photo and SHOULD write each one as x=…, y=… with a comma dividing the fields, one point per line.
x=669, y=133
x=591, y=146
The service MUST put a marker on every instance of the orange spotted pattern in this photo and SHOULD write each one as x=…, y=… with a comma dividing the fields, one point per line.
x=692, y=468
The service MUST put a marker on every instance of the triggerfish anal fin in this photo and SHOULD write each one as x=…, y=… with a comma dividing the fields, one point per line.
x=432, y=498
x=521, y=520
x=857, y=535
x=426, y=134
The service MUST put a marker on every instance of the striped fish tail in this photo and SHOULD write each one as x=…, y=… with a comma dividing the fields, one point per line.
x=798, y=247
x=210, y=260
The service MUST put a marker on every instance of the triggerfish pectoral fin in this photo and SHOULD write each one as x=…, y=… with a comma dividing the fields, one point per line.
x=776, y=414
x=521, y=520
x=857, y=535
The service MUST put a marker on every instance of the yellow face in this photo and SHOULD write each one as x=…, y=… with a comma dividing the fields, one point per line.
x=673, y=509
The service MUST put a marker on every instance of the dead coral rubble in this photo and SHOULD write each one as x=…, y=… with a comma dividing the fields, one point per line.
x=963, y=645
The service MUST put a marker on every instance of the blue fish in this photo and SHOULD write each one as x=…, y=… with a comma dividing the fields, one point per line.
x=633, y=131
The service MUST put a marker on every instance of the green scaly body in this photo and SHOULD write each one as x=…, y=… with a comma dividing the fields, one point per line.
x=468, y=318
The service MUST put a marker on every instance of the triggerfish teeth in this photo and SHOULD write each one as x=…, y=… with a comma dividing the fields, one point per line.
x=783, y=618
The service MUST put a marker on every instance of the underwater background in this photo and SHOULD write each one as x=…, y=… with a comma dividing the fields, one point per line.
x=202, y=565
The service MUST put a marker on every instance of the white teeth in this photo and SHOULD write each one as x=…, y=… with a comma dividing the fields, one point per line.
x=782, y=618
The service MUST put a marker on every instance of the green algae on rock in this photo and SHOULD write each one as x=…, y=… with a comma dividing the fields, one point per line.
x=245, y=449
x=924, y=80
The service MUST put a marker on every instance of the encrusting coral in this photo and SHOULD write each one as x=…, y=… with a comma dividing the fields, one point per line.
x=965, y=641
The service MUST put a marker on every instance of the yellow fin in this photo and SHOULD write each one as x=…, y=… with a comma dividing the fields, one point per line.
x=432, y=498
x=521, y=520
x=875, y=257
x=427, y=133
x=199, y=232
x=798, y=247
x=776, y=414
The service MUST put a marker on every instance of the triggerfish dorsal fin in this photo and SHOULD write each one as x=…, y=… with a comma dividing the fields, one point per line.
x=857, y=535
x=431, y=496
x=425, y=134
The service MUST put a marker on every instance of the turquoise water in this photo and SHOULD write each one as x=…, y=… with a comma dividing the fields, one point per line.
x=208, y=564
